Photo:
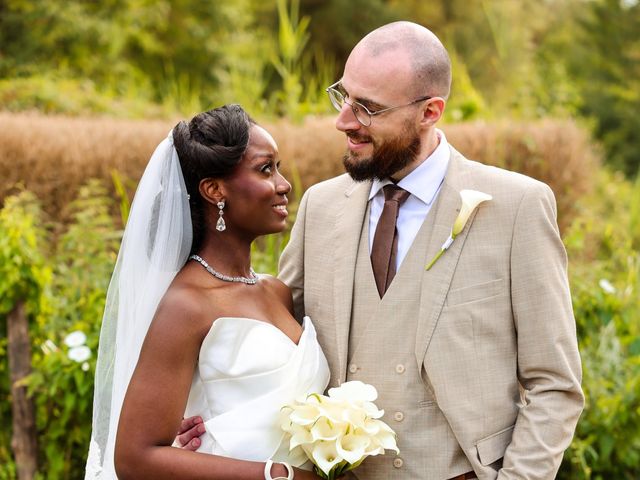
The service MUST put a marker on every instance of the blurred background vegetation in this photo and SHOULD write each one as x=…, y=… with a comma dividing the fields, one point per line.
x=140, y=58
x=550, y=88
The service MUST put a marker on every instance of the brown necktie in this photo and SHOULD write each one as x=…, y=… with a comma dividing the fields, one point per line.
x=385, y=240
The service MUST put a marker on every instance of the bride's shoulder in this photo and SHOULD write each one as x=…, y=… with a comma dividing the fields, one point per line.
x=277, y=288
x=273, y=283
x=186, y=304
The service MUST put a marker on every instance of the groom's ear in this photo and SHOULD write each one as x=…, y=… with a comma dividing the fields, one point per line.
x=211, y=190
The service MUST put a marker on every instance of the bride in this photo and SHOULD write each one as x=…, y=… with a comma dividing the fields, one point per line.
x=189, y=328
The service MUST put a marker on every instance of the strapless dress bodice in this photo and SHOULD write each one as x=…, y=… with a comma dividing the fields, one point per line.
x=247, y=371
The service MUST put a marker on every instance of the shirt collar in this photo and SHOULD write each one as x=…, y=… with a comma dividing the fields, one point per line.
x=425, y=180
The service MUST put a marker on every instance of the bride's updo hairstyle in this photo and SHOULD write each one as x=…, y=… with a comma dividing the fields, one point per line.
x=210, y=146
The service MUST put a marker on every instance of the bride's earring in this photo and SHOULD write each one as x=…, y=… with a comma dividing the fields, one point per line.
x=221, y=226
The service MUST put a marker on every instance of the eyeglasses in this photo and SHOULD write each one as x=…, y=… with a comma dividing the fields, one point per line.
x=362, y=113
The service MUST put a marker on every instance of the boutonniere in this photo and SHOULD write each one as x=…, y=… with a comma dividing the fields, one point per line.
x=470, y=201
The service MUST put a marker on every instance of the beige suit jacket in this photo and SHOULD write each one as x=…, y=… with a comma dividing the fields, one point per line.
x=496, y=339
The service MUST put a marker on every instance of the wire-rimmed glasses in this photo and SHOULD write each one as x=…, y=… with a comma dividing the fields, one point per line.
x=362, y=113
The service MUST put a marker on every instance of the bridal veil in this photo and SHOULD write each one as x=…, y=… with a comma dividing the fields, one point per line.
x=155, y=246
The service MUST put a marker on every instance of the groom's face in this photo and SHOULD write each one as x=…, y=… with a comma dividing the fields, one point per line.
x=388, y=154
x=392, y=141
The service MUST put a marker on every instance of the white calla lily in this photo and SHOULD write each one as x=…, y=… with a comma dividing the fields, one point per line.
x=470, y=201
x=387, y=440
x=352, y=446
x=371, y=410
x=325, y=429
x=300, y=437
x=356, y=418
x=371, y=426
x=334, y=410
x=354, y=391
x=325, y=456
x=374, y=449
x=305, y=414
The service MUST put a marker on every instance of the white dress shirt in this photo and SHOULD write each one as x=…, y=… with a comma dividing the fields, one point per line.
x=423, y=184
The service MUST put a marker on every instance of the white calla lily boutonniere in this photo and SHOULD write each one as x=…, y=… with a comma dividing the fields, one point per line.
x=470, y=201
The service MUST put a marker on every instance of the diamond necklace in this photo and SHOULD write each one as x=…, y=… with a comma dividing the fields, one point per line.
x=252, y=280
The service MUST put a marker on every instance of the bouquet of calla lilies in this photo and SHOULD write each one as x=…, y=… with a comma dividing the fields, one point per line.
x=337, y=432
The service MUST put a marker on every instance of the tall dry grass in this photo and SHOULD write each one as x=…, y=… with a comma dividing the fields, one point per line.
x=54, y=155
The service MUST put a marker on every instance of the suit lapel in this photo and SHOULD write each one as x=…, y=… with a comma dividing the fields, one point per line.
x=350, y=218
x=436, y=281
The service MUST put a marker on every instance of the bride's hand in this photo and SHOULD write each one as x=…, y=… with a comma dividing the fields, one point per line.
x=188, y=436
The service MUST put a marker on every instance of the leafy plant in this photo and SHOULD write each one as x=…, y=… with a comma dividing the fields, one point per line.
x=63, y=388
x=300, y=90
x=605, y=281
x=23, y=277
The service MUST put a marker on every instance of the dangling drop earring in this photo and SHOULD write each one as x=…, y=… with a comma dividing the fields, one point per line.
x=221, y=226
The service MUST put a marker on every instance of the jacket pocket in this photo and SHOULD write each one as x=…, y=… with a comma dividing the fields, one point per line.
x=492, y=448
x=474, y=293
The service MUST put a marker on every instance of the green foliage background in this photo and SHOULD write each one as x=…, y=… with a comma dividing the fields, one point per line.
x=523, y=59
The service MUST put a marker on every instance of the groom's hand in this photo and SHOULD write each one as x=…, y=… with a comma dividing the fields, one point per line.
x=188, y=436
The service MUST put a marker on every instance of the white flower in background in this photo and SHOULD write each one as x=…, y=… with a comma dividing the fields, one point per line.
x=85, y=367
x=607, y=286
x=337, y=432
x=49, y=347
x=75, y=339
x=79, y=354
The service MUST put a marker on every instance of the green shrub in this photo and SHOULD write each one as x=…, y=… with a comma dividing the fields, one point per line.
x=66, y=280
x=605, y=278
x=23, y=276
x=67, y=294
x=63, y=388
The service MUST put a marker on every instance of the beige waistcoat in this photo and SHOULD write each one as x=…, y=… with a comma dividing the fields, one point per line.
x=382, y=337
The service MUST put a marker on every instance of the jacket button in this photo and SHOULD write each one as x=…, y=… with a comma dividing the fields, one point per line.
x=353, y=368
x=398, y=462
x=400, y=368
x=398, y=416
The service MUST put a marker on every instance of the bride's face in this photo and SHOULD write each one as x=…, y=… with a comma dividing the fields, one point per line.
x=256, y=192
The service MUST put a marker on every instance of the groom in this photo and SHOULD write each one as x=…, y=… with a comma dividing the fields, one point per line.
x=475, y=359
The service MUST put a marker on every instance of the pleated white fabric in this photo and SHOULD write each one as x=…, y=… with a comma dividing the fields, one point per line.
x=247, y=371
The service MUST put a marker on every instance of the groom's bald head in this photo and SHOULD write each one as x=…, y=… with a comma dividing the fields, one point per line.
x=429, y=59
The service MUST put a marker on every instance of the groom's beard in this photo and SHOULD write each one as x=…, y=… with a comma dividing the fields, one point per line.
x=388, y=157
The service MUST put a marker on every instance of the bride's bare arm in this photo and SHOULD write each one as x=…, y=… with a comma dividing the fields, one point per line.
x=157, y=396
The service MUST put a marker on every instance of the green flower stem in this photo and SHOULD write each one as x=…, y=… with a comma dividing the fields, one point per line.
x=435, y=259
x=445, y=246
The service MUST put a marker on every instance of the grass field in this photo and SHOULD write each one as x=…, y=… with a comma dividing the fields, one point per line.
x=54, y=155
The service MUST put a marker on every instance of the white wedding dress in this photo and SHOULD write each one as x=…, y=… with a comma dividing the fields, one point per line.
x=247, y=371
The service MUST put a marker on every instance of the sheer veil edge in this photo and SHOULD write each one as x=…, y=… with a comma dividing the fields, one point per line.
x=155, y=245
